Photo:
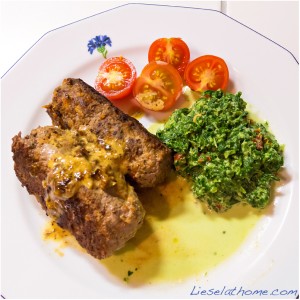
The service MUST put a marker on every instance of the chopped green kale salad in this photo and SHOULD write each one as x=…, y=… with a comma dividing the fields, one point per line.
x=228, y=157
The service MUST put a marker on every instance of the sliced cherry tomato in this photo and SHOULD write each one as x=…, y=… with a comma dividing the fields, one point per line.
x=207, y=72
x=115, y=78
x=158, y=87
x=174, y=51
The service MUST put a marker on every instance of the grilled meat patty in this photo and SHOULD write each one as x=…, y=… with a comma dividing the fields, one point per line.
x=79, y=181
x=77, y=104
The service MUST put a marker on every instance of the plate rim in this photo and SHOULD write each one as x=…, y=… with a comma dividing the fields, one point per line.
x=151, y=4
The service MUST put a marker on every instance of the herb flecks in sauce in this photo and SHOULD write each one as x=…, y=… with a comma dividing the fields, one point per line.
x=227, y=156
x=177, y=240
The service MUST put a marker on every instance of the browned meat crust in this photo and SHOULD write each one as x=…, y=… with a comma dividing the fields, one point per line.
x=100, y=222
x=76, y=104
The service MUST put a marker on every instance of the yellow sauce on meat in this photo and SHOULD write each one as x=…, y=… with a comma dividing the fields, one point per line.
x=84, y=160
x=80, y=158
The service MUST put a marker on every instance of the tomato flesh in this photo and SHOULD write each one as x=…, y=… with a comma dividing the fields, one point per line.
x=115, y=78
x=158, y=87
x=173, y=51
x=207, y=72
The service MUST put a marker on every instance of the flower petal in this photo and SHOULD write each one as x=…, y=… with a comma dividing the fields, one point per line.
x=91, y=46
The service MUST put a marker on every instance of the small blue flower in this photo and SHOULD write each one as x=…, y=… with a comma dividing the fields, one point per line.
x=102, y=40
x=99, y=42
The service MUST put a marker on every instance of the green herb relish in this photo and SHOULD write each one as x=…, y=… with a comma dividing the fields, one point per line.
x=228, y=157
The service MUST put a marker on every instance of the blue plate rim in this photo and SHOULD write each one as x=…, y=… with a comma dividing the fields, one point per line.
x=152, y=4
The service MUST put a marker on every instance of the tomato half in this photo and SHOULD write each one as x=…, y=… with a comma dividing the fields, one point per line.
x=174, y=51
x=158, y=87
x=115, y=78
x=207, y=72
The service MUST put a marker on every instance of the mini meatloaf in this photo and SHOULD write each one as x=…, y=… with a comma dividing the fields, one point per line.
x=79, y=180
x=76, y=104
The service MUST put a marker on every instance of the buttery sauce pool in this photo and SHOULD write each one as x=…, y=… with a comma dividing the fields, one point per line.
x=180, y=238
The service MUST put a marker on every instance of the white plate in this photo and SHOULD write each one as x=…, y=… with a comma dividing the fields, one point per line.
x=265, y=72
